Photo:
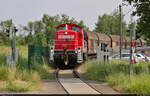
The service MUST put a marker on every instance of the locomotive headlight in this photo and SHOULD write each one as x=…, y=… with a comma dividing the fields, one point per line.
x=79, y=51
x=66, y=33
x=76, y=52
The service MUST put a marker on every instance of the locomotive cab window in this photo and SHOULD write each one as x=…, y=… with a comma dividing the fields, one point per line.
x=74, y=28
x=62, y=28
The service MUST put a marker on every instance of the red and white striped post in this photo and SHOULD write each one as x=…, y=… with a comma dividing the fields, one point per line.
x=133, y=59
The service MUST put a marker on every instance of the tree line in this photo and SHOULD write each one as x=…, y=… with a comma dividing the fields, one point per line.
x=41, y=32
x=143, y=11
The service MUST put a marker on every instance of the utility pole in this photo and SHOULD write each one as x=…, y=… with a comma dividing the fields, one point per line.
x=120, y=10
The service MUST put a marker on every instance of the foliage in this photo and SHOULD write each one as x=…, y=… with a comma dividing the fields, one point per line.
x=35, y=33
x=42, y=32
x=132, y=84
x=4, y=40
x=109, y=24
x=143, y=11
x=43, y=70
x=50, y=24
x=19, y=78
x=116, y=73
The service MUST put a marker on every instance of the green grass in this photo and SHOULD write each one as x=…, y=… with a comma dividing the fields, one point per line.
x=44, y=71
x=19, y=78
x=3, y=73
x=14, y=87
x=133, y=84
x=116, y=73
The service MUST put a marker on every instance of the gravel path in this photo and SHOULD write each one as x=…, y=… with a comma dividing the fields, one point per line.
x=74, y=85
x=102, y=87
x=51, y=87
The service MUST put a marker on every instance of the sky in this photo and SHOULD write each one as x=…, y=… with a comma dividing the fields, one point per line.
x=23, y=11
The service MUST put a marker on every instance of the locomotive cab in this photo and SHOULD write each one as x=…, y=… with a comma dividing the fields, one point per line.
x=69, y=45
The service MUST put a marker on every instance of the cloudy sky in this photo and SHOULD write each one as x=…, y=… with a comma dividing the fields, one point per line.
x=23, y=11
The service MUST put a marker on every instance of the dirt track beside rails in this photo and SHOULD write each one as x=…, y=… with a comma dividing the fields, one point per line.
x=102, y=87
x=52, y=87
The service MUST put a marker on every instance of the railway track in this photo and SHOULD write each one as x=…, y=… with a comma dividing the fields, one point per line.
x=73, y=84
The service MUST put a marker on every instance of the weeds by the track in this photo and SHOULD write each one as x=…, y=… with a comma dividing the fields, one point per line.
x=19, y=78
x=116, y=73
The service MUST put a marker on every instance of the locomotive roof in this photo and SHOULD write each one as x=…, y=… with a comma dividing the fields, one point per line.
x=68, y=24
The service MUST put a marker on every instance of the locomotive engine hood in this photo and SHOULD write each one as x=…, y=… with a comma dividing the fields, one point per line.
x=66, y=39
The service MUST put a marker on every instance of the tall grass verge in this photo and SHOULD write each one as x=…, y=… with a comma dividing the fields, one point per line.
x=116, y=73
x=19, y=78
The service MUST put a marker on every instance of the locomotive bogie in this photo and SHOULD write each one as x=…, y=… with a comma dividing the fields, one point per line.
x=61, y=58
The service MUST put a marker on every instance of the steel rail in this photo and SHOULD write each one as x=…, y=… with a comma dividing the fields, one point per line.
x=56, y=77
x=75, y=72
x=75, y=75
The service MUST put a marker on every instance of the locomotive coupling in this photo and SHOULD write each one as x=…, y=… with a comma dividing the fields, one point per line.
x=65, y=56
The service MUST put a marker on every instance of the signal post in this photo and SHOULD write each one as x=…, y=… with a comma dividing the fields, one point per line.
x=12, y=58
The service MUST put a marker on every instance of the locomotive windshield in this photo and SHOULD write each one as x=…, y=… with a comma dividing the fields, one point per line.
x=62, y=28
x=74, y=28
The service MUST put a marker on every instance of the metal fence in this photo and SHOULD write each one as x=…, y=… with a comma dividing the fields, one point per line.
x=38, y=54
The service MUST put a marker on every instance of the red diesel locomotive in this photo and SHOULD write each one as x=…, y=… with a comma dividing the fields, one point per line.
x=73, y=45
x=70, y=45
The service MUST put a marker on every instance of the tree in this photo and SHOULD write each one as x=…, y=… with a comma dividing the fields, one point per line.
x=39, y=32
x=81, y=23
x=50, y=24
x=29, y=30
x=109, y=24
x=40, y=39
x=4, y=25
x=34, y=30
x=143, y=11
